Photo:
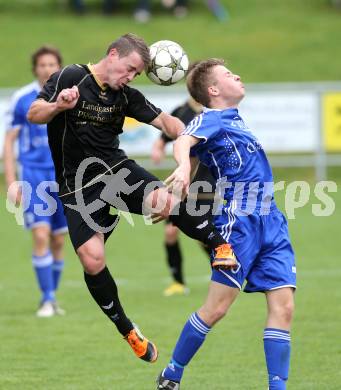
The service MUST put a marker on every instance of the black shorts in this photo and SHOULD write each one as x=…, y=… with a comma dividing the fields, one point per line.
x=199, y=196
x=88, y=211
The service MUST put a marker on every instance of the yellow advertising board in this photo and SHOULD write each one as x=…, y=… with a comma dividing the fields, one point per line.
x=332, y=121
x=130, y=124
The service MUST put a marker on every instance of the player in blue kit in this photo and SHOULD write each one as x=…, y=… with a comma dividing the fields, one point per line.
x=43, y=211
x=248, y=219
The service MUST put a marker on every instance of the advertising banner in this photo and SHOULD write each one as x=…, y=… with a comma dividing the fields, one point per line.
x=332, y=121
x=284, y=122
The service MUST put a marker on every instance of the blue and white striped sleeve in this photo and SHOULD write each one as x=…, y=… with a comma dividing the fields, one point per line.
x=203, y=127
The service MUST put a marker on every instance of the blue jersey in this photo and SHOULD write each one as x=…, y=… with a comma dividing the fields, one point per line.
x=233, y=155
x=259, y=239
x=33, y=148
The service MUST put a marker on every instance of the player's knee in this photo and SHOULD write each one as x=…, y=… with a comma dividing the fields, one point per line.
x=220, y=312
x=41, y=240
x=214, y=314
x=160, y=202
x=284, y=312
x=288, y=312
x=92, y=265
x=166, y=206
x=92, y=259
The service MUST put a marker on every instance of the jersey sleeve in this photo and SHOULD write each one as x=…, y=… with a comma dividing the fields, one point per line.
x=203, y=127
x=65, y=78
x=14, y=115
x=51, y=88
x=139, y=107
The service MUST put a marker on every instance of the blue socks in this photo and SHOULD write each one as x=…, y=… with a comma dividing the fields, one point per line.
x=190, y=340
x=276, y=348
x=48, y=272
x=57, y=269
x=277, y=355
x=43, y=269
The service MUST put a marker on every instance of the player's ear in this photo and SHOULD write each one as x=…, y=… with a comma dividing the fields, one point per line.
x=213, y=90
x=113, y=53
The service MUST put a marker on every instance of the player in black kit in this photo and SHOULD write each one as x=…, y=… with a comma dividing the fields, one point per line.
x=85, y=107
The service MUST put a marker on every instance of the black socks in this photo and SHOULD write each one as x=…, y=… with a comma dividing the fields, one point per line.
x=103, y=289
x=198, y=227
x=174, y=259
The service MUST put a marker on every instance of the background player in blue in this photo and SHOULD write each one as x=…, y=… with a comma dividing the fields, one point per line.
x=36, y=166
x=249, y=220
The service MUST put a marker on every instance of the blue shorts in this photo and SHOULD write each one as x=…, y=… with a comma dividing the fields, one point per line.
x=41, y=204
x=262, y=246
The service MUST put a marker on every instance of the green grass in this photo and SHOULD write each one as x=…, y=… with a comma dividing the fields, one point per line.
x=83, y=351
x=263, y=40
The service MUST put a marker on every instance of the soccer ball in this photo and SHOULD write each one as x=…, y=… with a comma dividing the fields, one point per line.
x=169, y=63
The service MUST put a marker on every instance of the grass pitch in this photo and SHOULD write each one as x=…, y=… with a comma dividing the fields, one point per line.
x=83, y=350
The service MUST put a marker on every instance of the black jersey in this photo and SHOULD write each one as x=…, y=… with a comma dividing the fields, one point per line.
x=90, y=129
x=185, y=113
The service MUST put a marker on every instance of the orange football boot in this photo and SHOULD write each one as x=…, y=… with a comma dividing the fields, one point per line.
x=224, y=258
x=143, y=348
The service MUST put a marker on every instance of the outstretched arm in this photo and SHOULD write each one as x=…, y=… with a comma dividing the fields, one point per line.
x=181, y=177
x=169, y=124
x=42, y=111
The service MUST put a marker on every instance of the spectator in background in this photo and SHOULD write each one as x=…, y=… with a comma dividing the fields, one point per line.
x=179, y=7
x=36, y=168
x=143, y=13
x=336, y=3
x=108, y=6
x=78, y=6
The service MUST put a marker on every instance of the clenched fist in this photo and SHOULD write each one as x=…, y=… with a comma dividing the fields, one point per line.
x=67, y=98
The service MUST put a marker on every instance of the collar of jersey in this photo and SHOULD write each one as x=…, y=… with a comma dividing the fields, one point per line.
x=229, y=111
x=206, y=109
x=101, y=85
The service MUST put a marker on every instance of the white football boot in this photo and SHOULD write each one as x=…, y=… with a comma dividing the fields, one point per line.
x=46, y=310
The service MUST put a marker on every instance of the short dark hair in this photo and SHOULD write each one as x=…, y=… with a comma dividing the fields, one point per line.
x=128, y=43
x=198, y=80
x=41, y=51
